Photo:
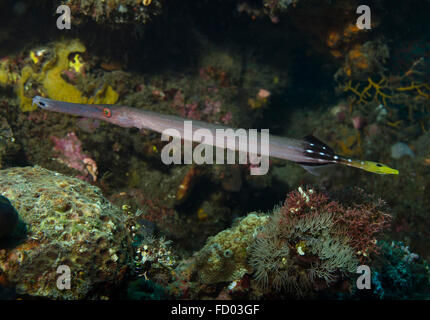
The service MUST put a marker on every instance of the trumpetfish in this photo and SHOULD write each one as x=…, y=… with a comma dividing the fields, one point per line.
x=310, y=152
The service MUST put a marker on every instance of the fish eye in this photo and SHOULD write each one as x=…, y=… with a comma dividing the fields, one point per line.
x=107, y=113
x=379, y=165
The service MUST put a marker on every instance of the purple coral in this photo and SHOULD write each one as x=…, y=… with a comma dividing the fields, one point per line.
x=70, y=154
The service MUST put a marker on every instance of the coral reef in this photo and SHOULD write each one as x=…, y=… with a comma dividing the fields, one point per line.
x=71, y=155
x=186, y=231
x=51, y=71
x=114, y=12
x=314, y=242
x=154, y=259
x=68, y=223
x=396, y=94
x=365, y=59
x=8, y=72
x=225, y=256
x=401, y=274
x=311, y=245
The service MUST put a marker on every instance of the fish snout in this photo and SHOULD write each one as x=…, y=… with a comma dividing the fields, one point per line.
x=40, y=102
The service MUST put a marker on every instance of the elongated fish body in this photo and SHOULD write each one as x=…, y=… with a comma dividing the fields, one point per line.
x=309, y=153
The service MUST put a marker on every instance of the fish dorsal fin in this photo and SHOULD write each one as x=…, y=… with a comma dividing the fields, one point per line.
x=318, y=143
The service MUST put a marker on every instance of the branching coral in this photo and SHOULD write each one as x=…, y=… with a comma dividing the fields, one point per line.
x=397, y=93
x=418, y=88
x=364, y=95
x=364, y=59
x=364, y=222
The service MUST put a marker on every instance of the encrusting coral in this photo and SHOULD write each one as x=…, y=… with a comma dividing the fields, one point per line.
x=314, y=242
x=224, y=257
x=69, y=223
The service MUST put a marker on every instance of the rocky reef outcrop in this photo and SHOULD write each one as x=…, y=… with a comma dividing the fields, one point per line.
x=69, y=223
